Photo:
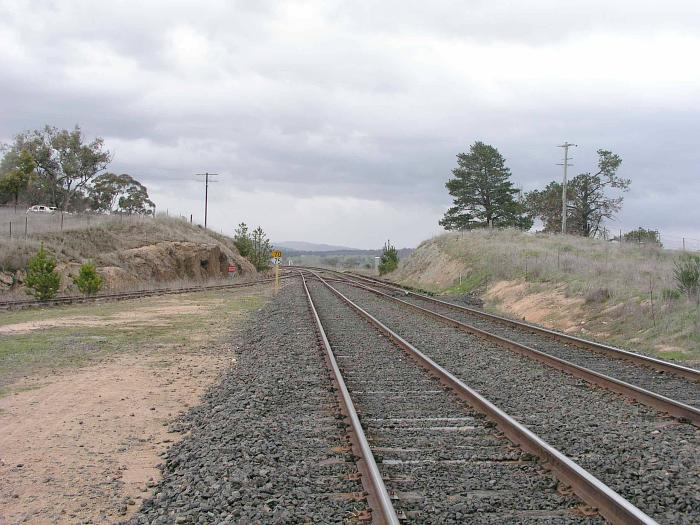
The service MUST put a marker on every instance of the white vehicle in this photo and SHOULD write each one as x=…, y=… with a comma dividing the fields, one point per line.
x=40, y=208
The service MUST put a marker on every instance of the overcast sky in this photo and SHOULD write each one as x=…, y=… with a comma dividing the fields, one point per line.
x=339, y=122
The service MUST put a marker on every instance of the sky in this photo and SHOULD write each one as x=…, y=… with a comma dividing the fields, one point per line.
x=340, y=122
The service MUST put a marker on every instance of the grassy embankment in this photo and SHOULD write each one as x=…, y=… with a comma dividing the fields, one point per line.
x=623, y=294
x=42, y=340
x=93, y=237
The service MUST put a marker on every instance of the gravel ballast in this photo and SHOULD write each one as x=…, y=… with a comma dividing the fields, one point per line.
x=651, y=460
x=442, y=461
x=267, y=444
x=664, y=383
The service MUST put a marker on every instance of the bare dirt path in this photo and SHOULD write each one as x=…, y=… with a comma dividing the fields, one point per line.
x=82, y=445
x=85, y=445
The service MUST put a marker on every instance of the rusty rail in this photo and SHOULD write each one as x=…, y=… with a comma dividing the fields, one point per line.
x=383, y=512
x=619, y=353
x=590, y=489
x=58, y=301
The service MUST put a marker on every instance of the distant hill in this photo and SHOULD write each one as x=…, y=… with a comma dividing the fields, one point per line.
x=303, y=246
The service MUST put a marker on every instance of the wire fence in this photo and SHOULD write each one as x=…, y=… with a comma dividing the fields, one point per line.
x=21, y=224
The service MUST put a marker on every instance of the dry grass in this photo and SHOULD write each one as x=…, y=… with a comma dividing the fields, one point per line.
x=93, y=237
x=627, y=288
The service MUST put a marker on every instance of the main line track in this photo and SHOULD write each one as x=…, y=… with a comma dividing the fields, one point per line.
x=438, y=457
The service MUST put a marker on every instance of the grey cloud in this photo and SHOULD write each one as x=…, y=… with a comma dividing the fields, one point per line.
x=363, y=100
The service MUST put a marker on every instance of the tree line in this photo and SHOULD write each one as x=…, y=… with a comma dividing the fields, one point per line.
x=61, y=168
x=484, y=196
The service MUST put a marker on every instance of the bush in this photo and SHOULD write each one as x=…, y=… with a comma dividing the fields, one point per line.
x=88, y=280
x=687, y=275
x=390, y=259
x=599, y=295
x=670, y=294
x=42, y=280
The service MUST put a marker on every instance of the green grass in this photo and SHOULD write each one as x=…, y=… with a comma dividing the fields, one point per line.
x=28, y=353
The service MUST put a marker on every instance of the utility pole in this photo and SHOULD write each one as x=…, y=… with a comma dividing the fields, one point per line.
x=566, y=164
x=206, y=193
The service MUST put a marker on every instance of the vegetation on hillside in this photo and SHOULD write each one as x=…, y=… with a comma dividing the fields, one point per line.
x=484, y=196
x=588, y=198
x=42, y=280
x=630, y=294
x=88, y=280
x=483, y=192
x=389, y=260
x=255, y=246
x=60, y=168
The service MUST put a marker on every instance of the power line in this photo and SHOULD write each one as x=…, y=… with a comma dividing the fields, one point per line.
x=566, y=164
x=206, y=192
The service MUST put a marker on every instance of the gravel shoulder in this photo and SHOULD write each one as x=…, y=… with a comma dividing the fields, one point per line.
x=665, y=384
x=267, y=445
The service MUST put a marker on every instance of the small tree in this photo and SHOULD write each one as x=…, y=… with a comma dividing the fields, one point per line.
x=390, y=259
x=88, y=281
x=42, y=279
x=687, y=274
x=242, y=240
x=261, y=250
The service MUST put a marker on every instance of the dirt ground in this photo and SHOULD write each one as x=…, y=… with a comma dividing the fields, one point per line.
x=82, y=445
x=551, y=308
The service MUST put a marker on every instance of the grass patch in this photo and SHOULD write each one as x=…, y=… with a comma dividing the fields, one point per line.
x=141, y=325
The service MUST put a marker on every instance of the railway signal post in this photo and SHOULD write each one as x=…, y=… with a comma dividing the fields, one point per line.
x=277, y=257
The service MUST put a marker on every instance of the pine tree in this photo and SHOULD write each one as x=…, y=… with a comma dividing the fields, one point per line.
x=88, y=281
x=42, y=280
x=389, y=260
x=483, y=193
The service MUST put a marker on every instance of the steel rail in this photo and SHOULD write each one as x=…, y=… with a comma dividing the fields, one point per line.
x=590, y=489
x=682, y=411
x=651, y=362
x=383, y=512
x=7, y=305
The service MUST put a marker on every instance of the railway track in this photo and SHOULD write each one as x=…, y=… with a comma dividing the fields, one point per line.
x=537, y=334
x=59, y=301
x=668, y=387
x=650, y=459
x=437, y=454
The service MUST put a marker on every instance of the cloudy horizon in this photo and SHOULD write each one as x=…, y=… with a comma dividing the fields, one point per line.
x=339, y=123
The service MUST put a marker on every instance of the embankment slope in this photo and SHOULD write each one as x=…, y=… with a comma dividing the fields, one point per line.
x=128, y=253
x=624, y=294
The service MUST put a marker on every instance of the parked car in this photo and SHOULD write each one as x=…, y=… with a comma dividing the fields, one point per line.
x=40, y=208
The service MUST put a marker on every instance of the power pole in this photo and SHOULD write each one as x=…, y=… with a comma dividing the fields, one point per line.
x=206, y=193
x=566, y=164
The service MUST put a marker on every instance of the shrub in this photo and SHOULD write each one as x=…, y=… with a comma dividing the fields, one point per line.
x=599, y=295
x=88, y=281
x=670, y=294
x=42, y=281
x=390, y=259
x=687, y=275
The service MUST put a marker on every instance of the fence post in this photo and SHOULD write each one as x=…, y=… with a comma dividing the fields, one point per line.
x=26, y=224
x=683, y=243
x=61, y=220
x=10, y=229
